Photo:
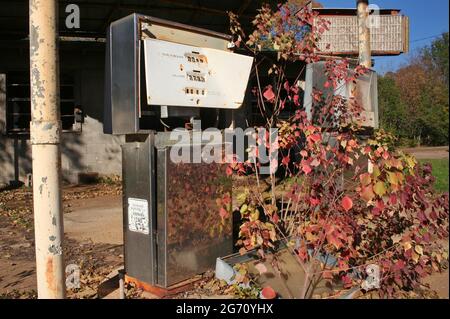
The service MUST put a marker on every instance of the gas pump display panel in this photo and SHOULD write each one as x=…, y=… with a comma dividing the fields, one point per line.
x=182, y=75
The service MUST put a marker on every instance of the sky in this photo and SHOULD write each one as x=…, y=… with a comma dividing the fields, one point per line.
x=427, y=18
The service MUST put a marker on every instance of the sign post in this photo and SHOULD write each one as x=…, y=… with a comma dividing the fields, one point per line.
x=46, y=154
x=365, y=53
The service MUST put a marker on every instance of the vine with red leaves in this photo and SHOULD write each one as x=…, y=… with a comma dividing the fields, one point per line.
x=354, y=202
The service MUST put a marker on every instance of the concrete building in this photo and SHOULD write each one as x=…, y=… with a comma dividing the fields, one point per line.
x=84, y=146
x=82, y=64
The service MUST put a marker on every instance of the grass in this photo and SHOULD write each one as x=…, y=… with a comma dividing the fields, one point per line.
x=440, y=171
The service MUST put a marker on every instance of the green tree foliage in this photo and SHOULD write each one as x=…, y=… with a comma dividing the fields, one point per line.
x=436, y=56
x=392, y=109
x=414, y=100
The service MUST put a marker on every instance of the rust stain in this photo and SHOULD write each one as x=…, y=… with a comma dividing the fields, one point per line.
x=163, y=292
x=50, y=276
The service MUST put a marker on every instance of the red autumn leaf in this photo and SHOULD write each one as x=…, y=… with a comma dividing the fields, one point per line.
x=342, y=265
x=367, y=150
x=268, y=293
x=275, y=218
x=314, y=201
x=422, y=217
x=268, y=94
x=315, y=138
x=347, y=203
x=398, y=280
x=303, y=253
x=347, y=281
x=226, y=199
x=376, y=211
x=399, y=265
x=433, y=215
x=366, y=179
x=285, y=161
x=223, y=213
x=334, y=240
x=367, y=193
x=420, y=271
x=297, y=100
x=352, y=143
x=306, y=169
x=393, y=199
x=380, y=205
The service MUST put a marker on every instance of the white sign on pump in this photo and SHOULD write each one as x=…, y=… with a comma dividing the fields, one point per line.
x=138, y=219
x=182, y=75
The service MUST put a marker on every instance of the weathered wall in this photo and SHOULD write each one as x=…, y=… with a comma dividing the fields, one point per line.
x=87, y=151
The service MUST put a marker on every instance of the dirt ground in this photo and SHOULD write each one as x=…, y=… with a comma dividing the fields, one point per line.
x=93, y=238
x=422, y=153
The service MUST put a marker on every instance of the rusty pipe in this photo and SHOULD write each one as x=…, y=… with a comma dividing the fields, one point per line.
x=45, y=128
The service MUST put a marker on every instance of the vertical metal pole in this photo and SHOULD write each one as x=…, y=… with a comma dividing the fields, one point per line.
x=46, y=154
x=365, y=53
x=121, y=284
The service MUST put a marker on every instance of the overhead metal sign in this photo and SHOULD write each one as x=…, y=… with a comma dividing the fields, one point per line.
x=389, y=35
x=182, y=75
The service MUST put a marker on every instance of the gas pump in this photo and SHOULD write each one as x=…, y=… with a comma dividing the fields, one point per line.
x=162, y=77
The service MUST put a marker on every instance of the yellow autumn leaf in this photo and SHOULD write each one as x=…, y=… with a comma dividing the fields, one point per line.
x=400, y=178
x=254, y=216
x=407, y=245
x=415, y=257
x=376, y=172
x=392, y=178
x=438, y=257
x=396, y=238
x=419, y=250
x=242, y=197
x=365, y=179
x=291, y=243
x=411, y=161
x=379, y=189
x=310, y=237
